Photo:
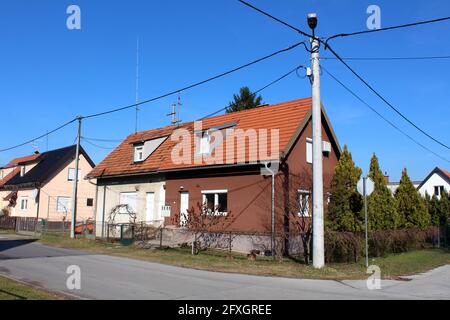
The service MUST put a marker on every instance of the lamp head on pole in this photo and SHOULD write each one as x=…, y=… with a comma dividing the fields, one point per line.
x=312, y=21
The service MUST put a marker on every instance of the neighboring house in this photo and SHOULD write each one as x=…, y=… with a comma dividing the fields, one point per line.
x=145, y=171
x=41, y=185
x=393, y=186
x=436, y=183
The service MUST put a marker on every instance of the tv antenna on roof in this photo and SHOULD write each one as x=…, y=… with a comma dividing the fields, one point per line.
x=176, y=111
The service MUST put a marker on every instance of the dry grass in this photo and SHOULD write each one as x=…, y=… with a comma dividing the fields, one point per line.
x=392, y=266
x=14, y=290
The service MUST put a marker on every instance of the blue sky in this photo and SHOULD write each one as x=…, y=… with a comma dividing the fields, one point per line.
x=50, y=74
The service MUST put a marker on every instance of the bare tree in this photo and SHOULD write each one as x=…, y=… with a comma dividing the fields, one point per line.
x=208, y=226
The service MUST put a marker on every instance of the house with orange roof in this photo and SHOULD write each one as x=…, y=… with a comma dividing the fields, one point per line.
x=40, y=186
x=223, y=163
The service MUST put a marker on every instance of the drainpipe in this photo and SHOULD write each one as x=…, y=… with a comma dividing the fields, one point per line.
x=103, y=211
x=38, y=199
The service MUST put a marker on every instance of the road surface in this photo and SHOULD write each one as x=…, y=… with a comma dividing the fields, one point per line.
x=109, y=277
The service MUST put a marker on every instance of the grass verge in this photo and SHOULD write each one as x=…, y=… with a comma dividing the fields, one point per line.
x=391, y=266
x=14, y=290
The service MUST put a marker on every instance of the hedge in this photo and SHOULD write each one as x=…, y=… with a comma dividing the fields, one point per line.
x=349, y=247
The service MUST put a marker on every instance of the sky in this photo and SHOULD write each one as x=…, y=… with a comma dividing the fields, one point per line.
x=50, y=74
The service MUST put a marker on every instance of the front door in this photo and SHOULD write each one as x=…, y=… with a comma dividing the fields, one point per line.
x=184, y=207
x=150, y=215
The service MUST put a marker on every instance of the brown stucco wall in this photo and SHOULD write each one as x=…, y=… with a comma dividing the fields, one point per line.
x=249, y=193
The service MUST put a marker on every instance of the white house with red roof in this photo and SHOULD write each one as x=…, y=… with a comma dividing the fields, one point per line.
x=436, y=183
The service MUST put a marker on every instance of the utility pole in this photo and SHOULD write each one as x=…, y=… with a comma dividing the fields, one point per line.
x=317, y=220
x=75, y=180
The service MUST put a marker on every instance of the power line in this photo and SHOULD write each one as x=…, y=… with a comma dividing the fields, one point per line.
x=414, y=24
x=96, y=145
x=384, y=99
x=197, y=83
x=257, y=91
x=381, y=116
x=327, y=46
x=276, y=19
x=103, y=140
x=161, y=96
x=40, y=137
x=388, y=58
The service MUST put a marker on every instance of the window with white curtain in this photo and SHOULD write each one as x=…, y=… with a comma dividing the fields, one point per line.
x=215, y=201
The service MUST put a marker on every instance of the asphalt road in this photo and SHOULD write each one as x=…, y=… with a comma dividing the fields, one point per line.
x=108, y=277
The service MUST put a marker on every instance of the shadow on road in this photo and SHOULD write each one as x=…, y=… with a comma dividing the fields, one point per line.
x=10, y=244
x=11, y=249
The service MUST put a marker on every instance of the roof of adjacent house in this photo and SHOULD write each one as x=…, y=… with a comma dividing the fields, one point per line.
x=289, y=118
x=9, y=176
x=441, y=172
x=48, y=165
x=21, y=160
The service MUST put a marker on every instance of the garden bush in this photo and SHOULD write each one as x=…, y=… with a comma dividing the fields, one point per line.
x=343, y=246
x=349, y=246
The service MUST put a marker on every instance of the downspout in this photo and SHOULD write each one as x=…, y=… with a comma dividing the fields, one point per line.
x=103, y=211
x=95, y=204
x=38, y=196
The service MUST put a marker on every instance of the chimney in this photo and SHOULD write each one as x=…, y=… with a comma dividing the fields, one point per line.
x=386, y=177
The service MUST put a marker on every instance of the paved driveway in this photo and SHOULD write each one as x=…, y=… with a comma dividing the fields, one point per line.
x=109, y=277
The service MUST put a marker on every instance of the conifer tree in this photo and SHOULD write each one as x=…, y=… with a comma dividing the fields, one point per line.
x=411, y=207
x=444, y=208
x=381, y=210
x=345, y=204
x=434, y=211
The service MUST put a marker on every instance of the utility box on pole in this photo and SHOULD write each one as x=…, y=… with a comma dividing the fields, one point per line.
x=317, y=217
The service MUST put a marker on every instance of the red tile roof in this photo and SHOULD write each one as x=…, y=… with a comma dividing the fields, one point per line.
x=20, y=160
x=447, y=173
x=286, y=117
x=9, y=176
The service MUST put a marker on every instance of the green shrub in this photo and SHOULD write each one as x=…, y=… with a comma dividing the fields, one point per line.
x=349, y=247
x=343, y=246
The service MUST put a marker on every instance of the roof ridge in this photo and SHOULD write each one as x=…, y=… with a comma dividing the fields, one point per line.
x=223, y=115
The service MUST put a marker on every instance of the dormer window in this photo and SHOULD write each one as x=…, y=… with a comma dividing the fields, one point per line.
x=145, y=148
x=139, y=153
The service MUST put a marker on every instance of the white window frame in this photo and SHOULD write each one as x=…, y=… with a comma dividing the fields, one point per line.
x=216, y=199
x=440, y=190
x=23, y=200
x=301, y=194
x=139, y=153
x=128, y=195
x=71, y=177
x=309, y=150
x=62, y=207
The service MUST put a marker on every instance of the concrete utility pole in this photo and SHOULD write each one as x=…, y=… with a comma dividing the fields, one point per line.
x=75, y=180
x=318, y=225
